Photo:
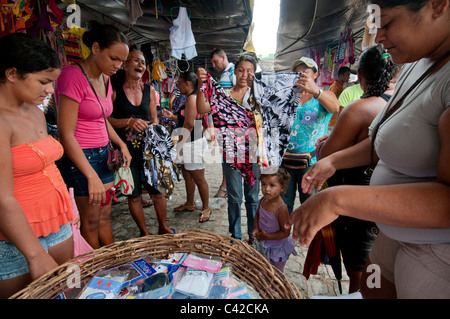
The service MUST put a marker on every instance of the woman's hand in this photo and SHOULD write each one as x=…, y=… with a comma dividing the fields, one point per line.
x=308, y=84
x=169, y=115
x=97, y=194
x=126, y=156
x=321, y=139
x=138, y=125
x=40, y=265
x=315, y=213
x=202, y=76
x=317, y=174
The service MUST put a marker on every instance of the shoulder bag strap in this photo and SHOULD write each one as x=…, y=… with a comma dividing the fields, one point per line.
x=95, y=93
x=398, y=104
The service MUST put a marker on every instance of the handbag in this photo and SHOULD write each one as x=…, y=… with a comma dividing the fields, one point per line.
x=297, y=161
x=124, y=174
x=115, y=156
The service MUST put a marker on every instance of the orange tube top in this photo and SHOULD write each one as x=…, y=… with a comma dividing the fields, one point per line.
x=39, y=187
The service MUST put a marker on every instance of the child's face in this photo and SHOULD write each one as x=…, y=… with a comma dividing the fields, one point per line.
x=271, y=187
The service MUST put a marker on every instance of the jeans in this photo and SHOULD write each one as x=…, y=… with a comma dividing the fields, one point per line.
x=294, y=184
x=234, y=189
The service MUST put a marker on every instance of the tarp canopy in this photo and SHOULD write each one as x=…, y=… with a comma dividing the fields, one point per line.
x=304, y=25
x=308, y=24
x=215, y=23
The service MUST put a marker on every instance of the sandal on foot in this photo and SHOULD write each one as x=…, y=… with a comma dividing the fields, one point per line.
x=223, y=190
x=203, y=218
x=172, y=232
x=183, y=208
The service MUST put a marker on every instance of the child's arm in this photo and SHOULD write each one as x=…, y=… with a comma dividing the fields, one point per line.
x=282, y=215
x=256, y=222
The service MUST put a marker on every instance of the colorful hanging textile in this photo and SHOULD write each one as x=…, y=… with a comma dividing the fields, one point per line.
x=159, y=153
x=277, y=97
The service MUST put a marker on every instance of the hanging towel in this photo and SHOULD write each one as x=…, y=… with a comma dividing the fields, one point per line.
x=181, y=37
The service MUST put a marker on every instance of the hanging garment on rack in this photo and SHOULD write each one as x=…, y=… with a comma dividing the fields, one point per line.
x=135, y=10
x=181, y=37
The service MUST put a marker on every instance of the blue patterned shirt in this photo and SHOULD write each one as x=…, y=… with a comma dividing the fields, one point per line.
x=310, y=123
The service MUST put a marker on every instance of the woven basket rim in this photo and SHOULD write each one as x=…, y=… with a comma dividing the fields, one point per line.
x=247, y=264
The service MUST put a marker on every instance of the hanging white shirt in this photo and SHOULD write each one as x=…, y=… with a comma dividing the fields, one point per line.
x=181, y=36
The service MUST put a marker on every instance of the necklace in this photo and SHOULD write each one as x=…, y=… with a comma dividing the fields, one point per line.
x=90, y=73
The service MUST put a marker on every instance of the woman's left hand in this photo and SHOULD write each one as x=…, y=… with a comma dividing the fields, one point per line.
x=126, y=157
x=315, y=213
x=307, y=84
x=139, y=124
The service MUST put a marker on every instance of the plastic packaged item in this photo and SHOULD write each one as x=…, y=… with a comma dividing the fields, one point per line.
x=73, y=293
x=195, y=282
x=194, y=261
x=157, y=286
x=174, y=259
x=218, y=291
x=105, y=287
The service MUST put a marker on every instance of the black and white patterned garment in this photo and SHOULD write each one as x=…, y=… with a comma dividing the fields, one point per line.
x=159, y=154
x=231, y=123
x=278, y=98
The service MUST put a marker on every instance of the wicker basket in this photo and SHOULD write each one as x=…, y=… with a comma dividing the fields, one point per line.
x=247, y=263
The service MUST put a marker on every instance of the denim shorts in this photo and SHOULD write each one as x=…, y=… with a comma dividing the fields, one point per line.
x=14, y=264
x=73, y=177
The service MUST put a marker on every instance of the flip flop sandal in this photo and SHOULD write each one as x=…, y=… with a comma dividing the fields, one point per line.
x=202, y=216
x=173, y=232
x=223, y=190
x=183, y=208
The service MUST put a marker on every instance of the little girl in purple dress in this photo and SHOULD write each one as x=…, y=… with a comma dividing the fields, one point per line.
x=271, y=238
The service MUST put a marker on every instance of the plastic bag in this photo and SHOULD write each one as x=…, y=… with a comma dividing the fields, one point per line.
x=80, y=245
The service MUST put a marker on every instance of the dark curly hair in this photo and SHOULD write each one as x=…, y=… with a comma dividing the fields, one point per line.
x=378, y=69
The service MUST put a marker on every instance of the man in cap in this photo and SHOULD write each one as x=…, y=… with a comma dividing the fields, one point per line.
x=311, y=122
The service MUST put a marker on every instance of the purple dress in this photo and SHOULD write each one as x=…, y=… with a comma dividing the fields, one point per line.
x=276, y=250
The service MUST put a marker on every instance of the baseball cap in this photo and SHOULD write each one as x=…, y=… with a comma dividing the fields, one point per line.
x=310, y=63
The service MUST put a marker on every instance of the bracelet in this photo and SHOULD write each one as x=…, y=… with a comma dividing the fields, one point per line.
x=320, y=94
x=129, y=120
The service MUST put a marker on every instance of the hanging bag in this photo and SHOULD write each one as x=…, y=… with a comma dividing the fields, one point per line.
x=80, y=245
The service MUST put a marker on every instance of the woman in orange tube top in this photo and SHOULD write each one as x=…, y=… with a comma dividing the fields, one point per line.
x=35, y=206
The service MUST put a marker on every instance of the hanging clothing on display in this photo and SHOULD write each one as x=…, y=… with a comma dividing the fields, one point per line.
x=277, y=97
x=181, y=37
x=233, y=121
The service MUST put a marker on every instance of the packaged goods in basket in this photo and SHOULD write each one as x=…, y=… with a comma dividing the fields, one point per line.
x=177, y=276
